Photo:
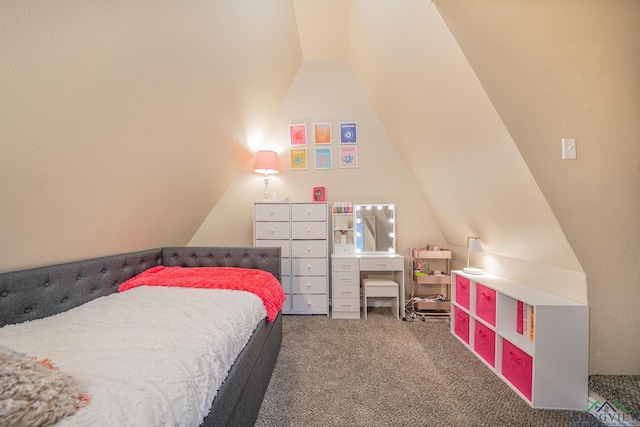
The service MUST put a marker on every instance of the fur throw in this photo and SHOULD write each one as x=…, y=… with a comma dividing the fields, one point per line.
x=35, y=393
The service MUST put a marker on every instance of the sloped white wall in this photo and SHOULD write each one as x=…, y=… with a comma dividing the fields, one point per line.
x=124, y=122
x=567, y=69
x=449, y=134
x=327, y=91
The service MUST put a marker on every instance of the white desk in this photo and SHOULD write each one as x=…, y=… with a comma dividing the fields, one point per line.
x=347, y=272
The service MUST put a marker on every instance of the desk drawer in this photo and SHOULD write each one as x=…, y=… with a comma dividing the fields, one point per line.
x=346, y=305
x=272, y=230
x=346, y=278
x=309, y=212
x=346, y=291
x=272, y=212
x=381, y=264
x=345, y=264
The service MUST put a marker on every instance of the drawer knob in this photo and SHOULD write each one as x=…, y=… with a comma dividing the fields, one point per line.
x=308, y=285
x=308, y=249
x=308, y=230
x=309, y=267
x=272, y=231
x=309, y=303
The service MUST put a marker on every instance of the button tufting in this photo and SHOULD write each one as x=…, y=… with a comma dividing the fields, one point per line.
x=64, y=299
x=93, y=291
x=104, y=271
x=27, y=310
x=210, y=256
x=4, y=294
x=79, y=277
x=46, y=284
x=228, y=256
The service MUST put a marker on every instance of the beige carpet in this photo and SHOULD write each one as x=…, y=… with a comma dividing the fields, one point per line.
x=386, y=372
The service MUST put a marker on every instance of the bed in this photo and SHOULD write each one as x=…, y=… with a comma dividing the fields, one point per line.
x=60, y=295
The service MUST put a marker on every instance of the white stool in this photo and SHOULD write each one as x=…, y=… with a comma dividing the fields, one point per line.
x=380, y=288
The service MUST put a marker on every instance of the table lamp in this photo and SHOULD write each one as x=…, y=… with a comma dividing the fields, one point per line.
x=473, y=245
x=266, y=163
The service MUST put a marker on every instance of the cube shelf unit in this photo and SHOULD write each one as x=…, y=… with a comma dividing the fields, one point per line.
x=549, y=367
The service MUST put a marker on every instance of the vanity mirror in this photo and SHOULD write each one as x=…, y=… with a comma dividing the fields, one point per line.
x=375, y=228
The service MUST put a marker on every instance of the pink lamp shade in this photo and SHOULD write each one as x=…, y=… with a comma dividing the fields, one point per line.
x=267, y=162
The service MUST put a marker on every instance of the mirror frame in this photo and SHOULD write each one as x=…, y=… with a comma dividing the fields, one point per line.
x=390, y=216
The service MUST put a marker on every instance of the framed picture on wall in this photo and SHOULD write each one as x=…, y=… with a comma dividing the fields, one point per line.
x=349, y=133
x=323, y=158
x=322, y=133
x=319, y=194
x=348, y=157
x=298, y=158
x=298, y=134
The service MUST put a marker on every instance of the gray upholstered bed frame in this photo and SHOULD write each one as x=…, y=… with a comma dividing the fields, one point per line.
x=44, y=291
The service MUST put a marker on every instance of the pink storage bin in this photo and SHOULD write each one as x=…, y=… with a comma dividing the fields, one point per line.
x=463, y=287
x=517, y=367
x=485, y=343
x=461, y=327
x=486, y=304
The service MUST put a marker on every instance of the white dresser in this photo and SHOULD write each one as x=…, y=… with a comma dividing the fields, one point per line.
x=300, y=230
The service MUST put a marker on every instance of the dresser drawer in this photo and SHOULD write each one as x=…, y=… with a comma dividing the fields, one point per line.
x=346, y=304
x=308, y=266
x=286, y=284
x=272, y=230
x=381, y=264
x=307, y=303
x=345, y=278
x=308, y=230
x=345, y=264
x=309, y=248
x=309, y=285
x=282, y=244
x=286, y=306
x=309, y=212
x=486, y=304
x=463, y=286
x=285, y=266
x=272, y=212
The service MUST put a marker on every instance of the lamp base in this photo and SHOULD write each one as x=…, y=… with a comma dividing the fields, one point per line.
x=471, y=270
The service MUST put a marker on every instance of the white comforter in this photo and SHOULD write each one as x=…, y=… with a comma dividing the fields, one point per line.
x=148, y=356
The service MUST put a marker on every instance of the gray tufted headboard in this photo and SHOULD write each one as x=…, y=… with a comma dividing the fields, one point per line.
x=44, y=291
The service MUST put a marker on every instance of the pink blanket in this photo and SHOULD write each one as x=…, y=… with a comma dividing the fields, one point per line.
x=259, y=282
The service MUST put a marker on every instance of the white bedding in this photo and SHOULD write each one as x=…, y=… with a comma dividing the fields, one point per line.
x=147, y=356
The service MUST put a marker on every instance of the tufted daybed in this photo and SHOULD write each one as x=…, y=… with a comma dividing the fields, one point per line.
x=41, y=292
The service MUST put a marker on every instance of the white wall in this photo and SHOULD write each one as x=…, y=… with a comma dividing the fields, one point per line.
x=124, y=122
x=327, y=91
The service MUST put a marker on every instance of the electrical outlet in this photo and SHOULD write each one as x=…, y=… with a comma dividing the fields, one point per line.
x=569, y=149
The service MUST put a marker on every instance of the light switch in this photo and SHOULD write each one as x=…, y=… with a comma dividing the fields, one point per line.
x=569, y=149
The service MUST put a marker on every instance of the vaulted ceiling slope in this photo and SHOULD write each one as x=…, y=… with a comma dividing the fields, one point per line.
x=123, y=123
